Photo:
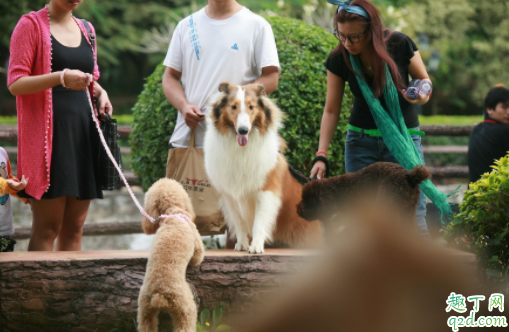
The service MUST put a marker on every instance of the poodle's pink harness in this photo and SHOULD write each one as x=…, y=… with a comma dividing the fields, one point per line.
x=181, y=216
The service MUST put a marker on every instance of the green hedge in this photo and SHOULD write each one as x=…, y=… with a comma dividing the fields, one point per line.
x=482, y=225
x=122, y=120
x=441, y=120
x=302, y=49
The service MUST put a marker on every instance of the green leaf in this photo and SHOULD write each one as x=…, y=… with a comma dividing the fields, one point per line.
x=498, y=240
x=217, y=315
x=493, y=273
x=200, y=328
x=223, y=328
x=204, y=317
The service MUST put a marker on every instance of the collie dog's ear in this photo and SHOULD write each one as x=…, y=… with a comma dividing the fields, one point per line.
x=260, y=90
x=225, y=87
x=220, y=100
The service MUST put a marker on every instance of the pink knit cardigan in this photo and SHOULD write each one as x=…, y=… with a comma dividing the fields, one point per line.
x=31, y=55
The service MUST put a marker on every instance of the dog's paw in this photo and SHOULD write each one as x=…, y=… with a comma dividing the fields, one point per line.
x=241, y=246
x=256, y=248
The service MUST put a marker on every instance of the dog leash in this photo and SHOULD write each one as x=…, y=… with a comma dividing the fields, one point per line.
x=181, y=216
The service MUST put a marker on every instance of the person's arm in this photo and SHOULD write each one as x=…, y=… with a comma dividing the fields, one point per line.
x=4, y=187
x=103, y=99
x=23, y=52
x=12, y=185
x=172, y=88
x=269, y=78
x=266, y=58
x=330, y=118
x=26, y=85
x=417, y=70
x=176, y=96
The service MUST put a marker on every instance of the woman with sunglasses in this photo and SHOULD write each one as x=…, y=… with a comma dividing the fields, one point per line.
x=372, y=59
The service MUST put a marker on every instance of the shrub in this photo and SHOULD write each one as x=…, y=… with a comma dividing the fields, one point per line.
x=153, y=124
x=482, y=225
x=3, y=244
x=302, y=49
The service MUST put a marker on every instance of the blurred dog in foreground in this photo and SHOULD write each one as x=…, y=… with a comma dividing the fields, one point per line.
x=378, y=275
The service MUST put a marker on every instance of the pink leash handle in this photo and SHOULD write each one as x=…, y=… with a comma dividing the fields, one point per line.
x=184, y=218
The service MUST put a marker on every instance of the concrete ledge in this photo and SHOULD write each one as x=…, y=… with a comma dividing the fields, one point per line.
x=98, y=290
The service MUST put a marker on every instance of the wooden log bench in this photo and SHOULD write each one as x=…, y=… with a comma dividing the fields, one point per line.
x=98, y=290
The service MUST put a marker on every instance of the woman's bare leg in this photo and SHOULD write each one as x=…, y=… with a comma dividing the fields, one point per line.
x=47, y=219
x=69, y=238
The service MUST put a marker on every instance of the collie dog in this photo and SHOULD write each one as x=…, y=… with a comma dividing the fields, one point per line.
x=243, y=159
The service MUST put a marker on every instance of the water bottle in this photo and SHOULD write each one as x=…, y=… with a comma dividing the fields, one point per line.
x=418, y=86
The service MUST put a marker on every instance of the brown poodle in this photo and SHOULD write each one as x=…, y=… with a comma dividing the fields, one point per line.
x=177, y=243
x=321, y=199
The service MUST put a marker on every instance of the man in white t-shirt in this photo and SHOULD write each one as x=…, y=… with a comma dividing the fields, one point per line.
x=223, y=41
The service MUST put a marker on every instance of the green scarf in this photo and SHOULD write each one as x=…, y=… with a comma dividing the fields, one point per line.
x=395, y=134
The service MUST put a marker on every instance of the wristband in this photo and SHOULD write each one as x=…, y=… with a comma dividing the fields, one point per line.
x=62, y=77
x=325, y=161
x=321, y=151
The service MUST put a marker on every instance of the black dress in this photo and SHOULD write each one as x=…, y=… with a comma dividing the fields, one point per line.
x=75, y=138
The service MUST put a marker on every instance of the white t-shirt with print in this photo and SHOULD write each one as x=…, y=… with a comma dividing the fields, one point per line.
x=6, y=225
x=208, y=52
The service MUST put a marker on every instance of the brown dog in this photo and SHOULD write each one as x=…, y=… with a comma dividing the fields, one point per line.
x=177, y=244
x=321, y=199
x=244, y=162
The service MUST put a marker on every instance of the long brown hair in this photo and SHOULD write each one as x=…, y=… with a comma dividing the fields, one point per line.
x=375, y=45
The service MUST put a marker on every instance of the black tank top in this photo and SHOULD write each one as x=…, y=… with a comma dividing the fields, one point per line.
x=79, y=58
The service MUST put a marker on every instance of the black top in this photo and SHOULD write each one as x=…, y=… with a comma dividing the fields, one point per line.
x=74, y=157
x=401, y=48
x=488, y=142
x=80, y=58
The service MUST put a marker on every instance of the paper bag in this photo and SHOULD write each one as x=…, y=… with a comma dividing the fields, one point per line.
x=186, y=165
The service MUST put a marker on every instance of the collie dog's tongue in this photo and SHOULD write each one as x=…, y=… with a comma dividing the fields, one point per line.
x=242, y=139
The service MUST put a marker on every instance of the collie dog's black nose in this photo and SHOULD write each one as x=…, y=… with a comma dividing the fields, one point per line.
x=243, y=131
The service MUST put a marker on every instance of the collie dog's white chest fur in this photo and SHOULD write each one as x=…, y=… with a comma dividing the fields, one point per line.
x=235, y=170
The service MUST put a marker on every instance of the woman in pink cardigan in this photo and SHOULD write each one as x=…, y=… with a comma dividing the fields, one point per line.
x=52, y=62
